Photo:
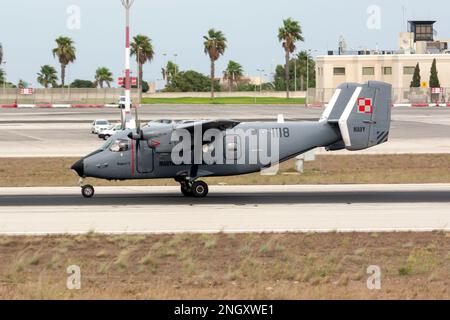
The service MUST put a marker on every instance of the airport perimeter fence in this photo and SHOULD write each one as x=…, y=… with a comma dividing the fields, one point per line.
x=110, y=95
x=316, y=97
x=63, y=96
x=399, y=96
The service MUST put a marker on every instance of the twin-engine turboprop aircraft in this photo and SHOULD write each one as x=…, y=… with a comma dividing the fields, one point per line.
x=357, y=117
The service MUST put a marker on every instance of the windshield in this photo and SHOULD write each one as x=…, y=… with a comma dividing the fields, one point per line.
x=102, y=123
x=119, y=146
x=107, y=144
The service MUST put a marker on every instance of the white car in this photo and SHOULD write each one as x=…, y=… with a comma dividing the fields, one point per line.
x=112, y=130
x=122, y=100
x=99, y=126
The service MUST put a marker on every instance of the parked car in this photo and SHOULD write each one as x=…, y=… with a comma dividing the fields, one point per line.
x=112, y=130
x=99, y=126
x=121, y=102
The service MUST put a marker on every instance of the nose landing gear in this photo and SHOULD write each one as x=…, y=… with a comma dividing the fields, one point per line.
x=87, y=190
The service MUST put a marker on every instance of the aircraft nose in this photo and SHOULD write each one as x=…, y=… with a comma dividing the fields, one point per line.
x=78, y=167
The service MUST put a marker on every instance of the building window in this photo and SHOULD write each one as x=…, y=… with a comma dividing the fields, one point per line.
x=408, y=70
x=339, y=71
x=387, y=71
x=368, y=71
x=424, y=33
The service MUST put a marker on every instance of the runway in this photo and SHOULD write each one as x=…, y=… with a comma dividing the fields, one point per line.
x=369, y=208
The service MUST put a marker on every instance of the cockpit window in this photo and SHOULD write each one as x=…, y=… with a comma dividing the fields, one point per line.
x=119, y=146
x=107, y=144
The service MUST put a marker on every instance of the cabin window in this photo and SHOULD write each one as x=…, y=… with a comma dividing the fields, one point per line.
x=232, y=147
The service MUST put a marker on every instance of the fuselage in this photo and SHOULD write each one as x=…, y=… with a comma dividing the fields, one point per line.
x=122, y=158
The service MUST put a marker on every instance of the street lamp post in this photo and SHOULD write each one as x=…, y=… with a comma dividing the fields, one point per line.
x=4, y=82
x=260, y=79
x=175, y=60
x=307, y=73
x=127, y=5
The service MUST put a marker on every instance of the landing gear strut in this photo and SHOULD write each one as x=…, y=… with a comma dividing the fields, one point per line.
x=196, y=189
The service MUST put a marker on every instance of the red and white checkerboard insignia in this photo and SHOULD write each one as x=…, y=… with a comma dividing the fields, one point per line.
x=365, y=106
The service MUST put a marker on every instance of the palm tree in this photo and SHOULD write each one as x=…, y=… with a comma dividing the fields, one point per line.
x=103, y=75
x=142, y=48
x=22, y=84
x=215, y=45
x=2, y=76
x=2, y=73
x=233, y=73
x=47, y=76
x=170, y=71
x=66, y=53
x=289, y=34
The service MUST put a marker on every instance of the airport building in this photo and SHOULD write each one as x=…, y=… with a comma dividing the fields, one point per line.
x=418, y=45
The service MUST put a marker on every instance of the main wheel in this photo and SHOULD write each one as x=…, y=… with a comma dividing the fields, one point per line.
x=199, y=189
x=87, y=191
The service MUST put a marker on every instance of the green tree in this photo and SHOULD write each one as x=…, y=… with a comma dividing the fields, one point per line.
x=215, y=45
x=169, y=71
x=78, y=83
x=22, y=84
x=142, y=48
x=298, y=61
x=2, y=73
x=416, y=80
x=434, y=77
x=145, y=86
x=47, y=76
x=233, y=73
x=288, y=35
x=191, y=81
x=66, y=53
x=103, y=75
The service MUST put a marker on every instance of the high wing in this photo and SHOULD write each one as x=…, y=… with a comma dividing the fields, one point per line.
x=204, y=125
x=221, y=125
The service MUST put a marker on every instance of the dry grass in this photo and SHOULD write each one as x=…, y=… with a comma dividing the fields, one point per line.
x=325, y=170
x=222, y=266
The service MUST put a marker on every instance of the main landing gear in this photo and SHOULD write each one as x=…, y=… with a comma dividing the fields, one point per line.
x=196, y=189
x=87, y=190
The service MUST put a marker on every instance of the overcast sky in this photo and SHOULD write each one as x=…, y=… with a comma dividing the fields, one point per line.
x=28, y=29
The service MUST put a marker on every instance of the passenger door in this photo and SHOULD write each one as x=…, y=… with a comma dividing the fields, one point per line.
x=145, y=157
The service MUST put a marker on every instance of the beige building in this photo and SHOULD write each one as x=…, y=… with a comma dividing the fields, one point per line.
x=395, y=67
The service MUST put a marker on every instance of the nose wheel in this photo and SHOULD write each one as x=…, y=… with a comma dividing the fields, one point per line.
x=197, y=189
x=87, y=191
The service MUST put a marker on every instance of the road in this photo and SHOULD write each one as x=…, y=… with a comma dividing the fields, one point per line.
x=227, y=208
x=56, y=132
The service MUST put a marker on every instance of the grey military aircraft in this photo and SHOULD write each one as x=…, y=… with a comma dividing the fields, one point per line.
x=357, y=117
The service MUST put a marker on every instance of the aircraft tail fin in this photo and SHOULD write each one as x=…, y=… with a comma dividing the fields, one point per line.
x=362, y=112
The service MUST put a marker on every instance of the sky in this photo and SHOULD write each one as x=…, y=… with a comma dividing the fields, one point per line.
x=28, y=29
